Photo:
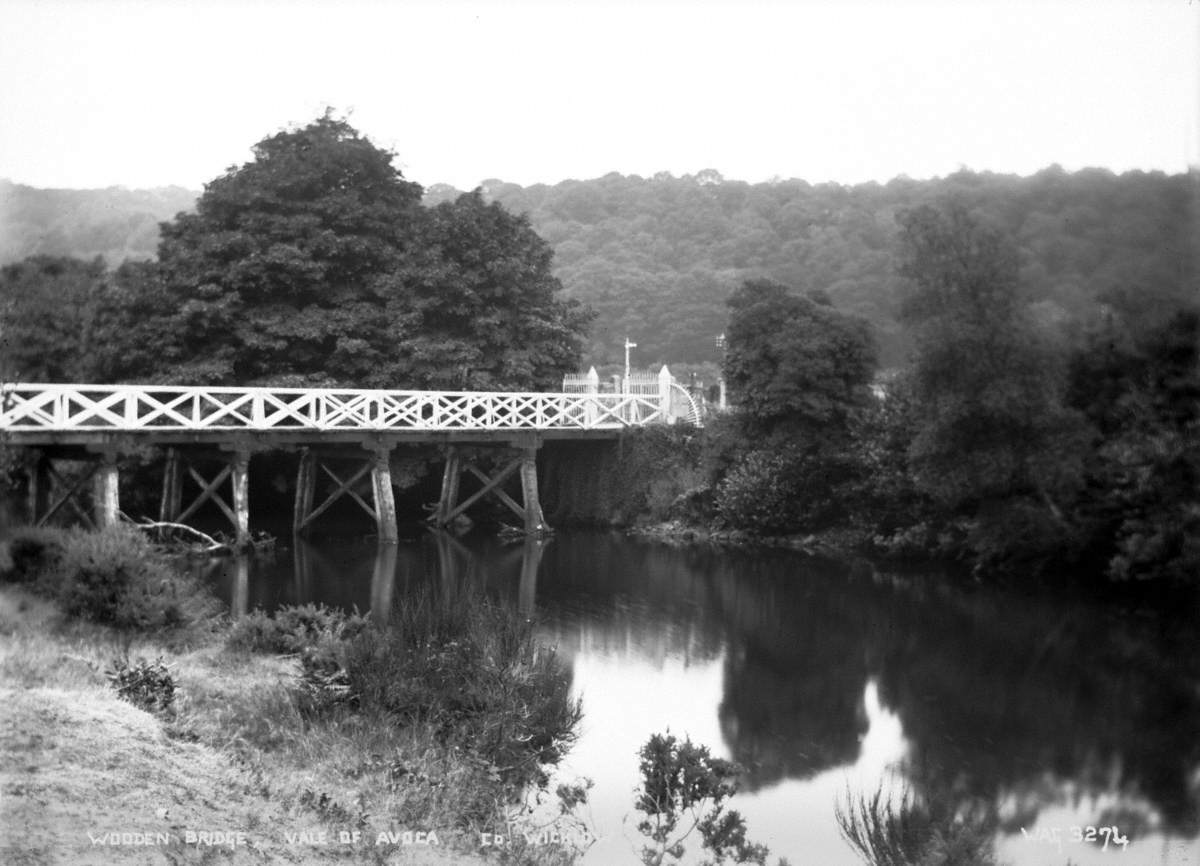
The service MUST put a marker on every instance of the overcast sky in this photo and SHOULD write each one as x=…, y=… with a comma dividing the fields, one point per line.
x=138, y=94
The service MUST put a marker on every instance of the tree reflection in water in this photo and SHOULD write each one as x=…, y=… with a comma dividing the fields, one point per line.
x=818, y=675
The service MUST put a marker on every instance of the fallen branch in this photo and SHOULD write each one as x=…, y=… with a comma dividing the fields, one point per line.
x=212, y=543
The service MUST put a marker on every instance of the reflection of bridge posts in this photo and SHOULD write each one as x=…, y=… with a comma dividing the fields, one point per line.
x=450, y=553
x=383, y=583
x=240, y=603
x=302, y=568
x=531, y=561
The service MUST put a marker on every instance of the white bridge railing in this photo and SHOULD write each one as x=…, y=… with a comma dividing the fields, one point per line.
x=26, y=408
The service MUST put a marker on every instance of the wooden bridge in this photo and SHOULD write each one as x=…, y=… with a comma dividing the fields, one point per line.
x=342, y=434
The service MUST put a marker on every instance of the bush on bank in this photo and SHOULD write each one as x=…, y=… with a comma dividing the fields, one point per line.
x=112, y=576
x=468, y=674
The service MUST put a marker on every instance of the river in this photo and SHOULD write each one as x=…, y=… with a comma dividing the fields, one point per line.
x=822, y=680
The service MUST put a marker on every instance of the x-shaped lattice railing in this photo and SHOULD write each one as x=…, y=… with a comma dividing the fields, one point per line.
x=129, y=408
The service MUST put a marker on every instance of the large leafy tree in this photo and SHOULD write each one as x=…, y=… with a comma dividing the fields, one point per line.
x=276, y=273
x=317, y=264
x=987, y=384
x=794, y=362
x=798, y=371
x=486, y=313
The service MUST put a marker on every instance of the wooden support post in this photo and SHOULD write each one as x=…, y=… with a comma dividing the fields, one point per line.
x=106, y=498
x=39, y=487
x=172, y=495
x=385, y=497
x=241, y=497
x=535, y=522
x=450, y=481
x=306, y=485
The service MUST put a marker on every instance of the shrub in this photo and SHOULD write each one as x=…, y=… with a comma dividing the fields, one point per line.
x=147, y=685
x=33, y=553
x=683, y=789
x=113, y=576
x=474, y=674
x=293, y=628
x=759, y=494
x=116, y=577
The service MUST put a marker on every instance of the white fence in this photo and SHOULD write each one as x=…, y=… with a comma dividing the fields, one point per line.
x=673, y=400
x=135, y=408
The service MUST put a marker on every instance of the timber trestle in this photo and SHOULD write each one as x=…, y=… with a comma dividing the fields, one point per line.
x=82, y=484
x=523, y=464
x=88, y=489
x=317, y=465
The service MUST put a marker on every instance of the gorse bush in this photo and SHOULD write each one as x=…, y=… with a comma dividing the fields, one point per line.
x=112, y=576
x=148, y=685
x=469, y=672
x=473, y=671
x=683, y=789
x=33, y=553
x=116, y=577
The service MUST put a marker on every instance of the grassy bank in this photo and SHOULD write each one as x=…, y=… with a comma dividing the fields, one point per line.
x=304, y=738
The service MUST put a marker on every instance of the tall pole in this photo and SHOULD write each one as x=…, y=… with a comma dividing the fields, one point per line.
x=723, y=346
x=628, y=346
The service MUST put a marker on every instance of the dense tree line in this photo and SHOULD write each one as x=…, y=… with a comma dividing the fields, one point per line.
x=1007, y=442
x=657, y=257
x=113, y=223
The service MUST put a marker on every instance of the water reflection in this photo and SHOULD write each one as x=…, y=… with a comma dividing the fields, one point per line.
x=819, y=678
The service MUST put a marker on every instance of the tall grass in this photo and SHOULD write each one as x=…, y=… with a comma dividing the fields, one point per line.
x=912, y=832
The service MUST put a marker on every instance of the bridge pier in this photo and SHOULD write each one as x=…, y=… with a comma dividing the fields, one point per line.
x=529, y=510
x=377, y=462
x=234, y=468
x=51, y=493
x=106, y=497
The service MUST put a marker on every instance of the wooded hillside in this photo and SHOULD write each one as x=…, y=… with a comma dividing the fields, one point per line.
x=657, y=257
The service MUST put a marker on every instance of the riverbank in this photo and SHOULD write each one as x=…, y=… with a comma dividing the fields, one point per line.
x=209, y=746
x=90, y=778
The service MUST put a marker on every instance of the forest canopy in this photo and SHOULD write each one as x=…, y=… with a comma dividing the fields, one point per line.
x=656, y=258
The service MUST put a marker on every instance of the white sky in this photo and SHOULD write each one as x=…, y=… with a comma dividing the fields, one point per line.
x=138, y=94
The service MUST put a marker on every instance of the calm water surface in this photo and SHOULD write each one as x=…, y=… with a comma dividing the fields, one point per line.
x=821, y=679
